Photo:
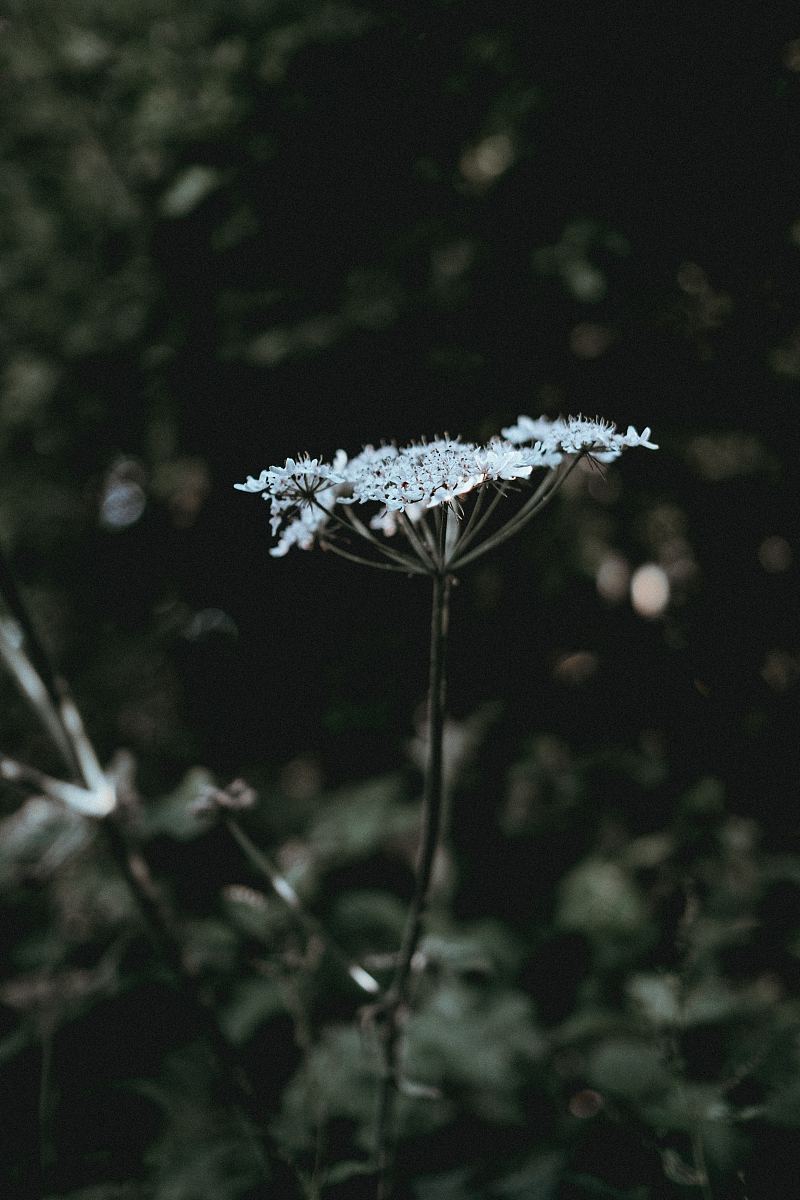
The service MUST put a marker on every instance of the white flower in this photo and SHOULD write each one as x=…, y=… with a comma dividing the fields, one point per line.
x=574, y=435
x=412, y=479
x=302, y=532
x=632, y=438
x=254, y=485
x=387, y=521
x=295, y=488
x=431, y=473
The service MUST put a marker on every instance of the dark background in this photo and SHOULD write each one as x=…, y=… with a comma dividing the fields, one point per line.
x=234, y=232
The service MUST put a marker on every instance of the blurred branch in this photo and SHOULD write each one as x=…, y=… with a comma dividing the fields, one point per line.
x=285, y=892
x=95, y=796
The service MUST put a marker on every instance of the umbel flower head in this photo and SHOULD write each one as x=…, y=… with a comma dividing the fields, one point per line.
x=420, y=491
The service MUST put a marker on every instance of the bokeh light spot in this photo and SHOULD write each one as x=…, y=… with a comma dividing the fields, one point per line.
x=775, y=554
x=484, y=162
x=576, y=668
x=650, y=590
x=612, y=578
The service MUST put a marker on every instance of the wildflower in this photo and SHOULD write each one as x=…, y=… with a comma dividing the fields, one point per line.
x=574, y=435
x=292, y=489
x=420, y=490
x=422, y=487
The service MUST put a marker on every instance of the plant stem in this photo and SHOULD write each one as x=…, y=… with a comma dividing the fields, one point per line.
x=95, y=797
x=285, y=892
x=538, y=501
x=411, y=569
x=396, y=998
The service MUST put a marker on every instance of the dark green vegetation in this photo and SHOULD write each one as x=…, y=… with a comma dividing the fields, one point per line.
x=235, y=231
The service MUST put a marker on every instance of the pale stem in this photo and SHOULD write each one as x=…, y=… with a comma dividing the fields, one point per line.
x=353, y=523
x=365, y=532
x=465, y=535
x=427, y=534
x=474, y=526
x=422, y=551
x=286, y=893
x=94, y=796
x=410, y=569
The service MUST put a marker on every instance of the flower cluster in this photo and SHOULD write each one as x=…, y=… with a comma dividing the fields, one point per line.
x=433, y=473
x=574, y=435
x=407, y=481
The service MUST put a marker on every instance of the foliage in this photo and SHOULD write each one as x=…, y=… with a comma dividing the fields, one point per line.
x=232, y=228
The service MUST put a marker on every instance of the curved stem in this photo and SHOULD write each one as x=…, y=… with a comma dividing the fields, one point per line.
x=536, y=503
x=474, y=526
x=285, y=892
x=466, y=531
x=410, y=569
x=363, y=531
x=397, y=996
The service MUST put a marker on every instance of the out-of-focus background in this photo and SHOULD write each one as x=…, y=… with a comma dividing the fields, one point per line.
x=232, y=232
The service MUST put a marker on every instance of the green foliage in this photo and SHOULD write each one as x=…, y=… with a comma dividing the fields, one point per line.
x=359, y=820
x=202, y=1153
x=227, y=226
x=175, y=814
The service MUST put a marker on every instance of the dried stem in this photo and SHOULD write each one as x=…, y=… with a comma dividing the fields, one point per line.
x=94, y=796
x=285, y=892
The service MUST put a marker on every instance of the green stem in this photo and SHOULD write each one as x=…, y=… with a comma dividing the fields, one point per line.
x=396, y=998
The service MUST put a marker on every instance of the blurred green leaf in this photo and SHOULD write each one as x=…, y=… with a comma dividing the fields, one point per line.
x=357, y=821
x=174, y=813
x=253, y=1002
x=598, y=897
x=630, y=1069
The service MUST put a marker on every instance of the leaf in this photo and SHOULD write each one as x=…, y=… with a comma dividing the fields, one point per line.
x=484, y=947
x=40, y=835
x=536, y=1179
x=253, y=1002
x=174, y=813
x=677, y=1171
x=481, y=1046
x=369, y=919
x=598, y=897
x=357, y=821
x=347, y=1169
x=188, y=190
x=628, y=1068
x=256, y=914
x=337, y=1081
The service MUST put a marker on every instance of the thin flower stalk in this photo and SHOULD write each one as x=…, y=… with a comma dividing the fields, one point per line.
x=396, y=998
x=536, y=503
x=432, y=497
